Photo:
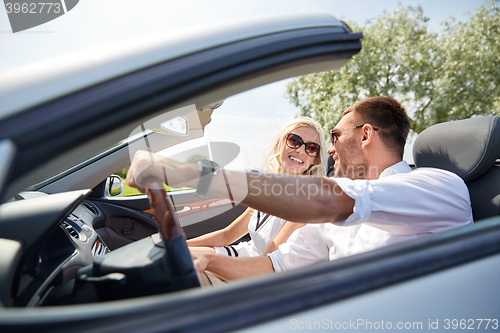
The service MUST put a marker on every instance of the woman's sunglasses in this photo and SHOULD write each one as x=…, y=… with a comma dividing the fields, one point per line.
x=294, y=141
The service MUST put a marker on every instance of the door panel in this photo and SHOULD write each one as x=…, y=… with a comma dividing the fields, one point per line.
x=123, y=225
x=130, y=219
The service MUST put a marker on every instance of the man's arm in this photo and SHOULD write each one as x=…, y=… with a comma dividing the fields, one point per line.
x=305, y=247
x=229, y=268
x=294, y=198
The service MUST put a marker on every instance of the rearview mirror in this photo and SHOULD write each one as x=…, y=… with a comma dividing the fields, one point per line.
x=177, y=125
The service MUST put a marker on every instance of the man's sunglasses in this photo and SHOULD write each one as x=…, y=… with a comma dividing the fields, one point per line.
x=294, y=141
x=334, y=134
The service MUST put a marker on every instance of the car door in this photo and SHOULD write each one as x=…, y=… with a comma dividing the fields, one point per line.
x=98, y=104
x=125, y=219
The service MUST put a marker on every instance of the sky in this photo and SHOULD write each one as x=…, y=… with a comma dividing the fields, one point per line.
x=249, y=119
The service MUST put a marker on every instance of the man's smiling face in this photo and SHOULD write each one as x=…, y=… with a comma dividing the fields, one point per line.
x=346, y=151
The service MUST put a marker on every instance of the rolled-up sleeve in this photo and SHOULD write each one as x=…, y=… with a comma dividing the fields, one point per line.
x=424, y=201
x=304, y=247
x=360, y=191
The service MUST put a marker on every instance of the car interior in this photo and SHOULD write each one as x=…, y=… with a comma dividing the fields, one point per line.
x=470, y=148
x=80, y=245
x=119, y=221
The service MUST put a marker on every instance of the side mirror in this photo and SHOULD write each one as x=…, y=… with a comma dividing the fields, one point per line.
x=114, y=186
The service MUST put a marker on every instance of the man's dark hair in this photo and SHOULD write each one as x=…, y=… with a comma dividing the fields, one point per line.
x=388, y=116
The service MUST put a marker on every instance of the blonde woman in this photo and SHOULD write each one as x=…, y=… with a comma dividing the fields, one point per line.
x=298, y=149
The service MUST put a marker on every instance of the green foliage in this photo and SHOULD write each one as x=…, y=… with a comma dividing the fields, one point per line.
x=131, y=191
x=469, y=80
x=437, y=78
x=123, y=172
x=195, y=158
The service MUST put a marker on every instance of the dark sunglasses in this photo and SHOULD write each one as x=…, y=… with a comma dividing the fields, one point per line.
x=294, y=141
x=334, y=134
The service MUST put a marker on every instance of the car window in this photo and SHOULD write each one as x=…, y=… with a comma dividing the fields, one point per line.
x=249, y=120
x=130, y=191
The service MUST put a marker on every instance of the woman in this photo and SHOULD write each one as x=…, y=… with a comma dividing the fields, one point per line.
x=298, y=149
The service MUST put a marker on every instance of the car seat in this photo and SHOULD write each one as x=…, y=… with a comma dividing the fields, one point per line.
x=469, y=148
x=330, y=166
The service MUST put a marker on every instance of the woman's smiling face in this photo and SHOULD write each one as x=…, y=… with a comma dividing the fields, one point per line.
x=295, y=161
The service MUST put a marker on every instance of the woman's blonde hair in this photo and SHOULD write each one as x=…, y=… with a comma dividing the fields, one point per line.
x=272, y=162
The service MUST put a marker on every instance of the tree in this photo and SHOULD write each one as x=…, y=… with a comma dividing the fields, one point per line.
x=195, y=158
x=401, y=58
x=468, y=83
x=123, y=172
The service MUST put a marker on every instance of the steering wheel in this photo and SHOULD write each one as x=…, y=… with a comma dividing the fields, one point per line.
x=163, y=212
x=177, y=254
x=154, y=265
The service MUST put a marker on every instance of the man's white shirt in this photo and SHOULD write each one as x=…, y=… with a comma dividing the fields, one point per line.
x=401, y=205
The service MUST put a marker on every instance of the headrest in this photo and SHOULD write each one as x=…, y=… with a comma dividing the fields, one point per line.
x=330, y=168
x=466, y=147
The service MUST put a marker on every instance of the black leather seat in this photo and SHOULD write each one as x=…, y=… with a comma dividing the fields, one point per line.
x=330, y=170
x=470, y=149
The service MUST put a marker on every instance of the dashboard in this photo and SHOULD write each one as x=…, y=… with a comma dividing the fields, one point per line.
x=52, y=254
x=79, y=225
x=45, y=240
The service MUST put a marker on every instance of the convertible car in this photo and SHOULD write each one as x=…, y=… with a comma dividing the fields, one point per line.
x=75, y=255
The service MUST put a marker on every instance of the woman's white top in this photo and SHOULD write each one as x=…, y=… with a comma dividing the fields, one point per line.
x=262, y=229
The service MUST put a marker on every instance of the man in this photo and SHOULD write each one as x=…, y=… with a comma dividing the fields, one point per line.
x=380, y=202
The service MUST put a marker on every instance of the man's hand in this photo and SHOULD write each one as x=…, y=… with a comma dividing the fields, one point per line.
x=146, y=164
x=200, y=261
x=229, y=268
